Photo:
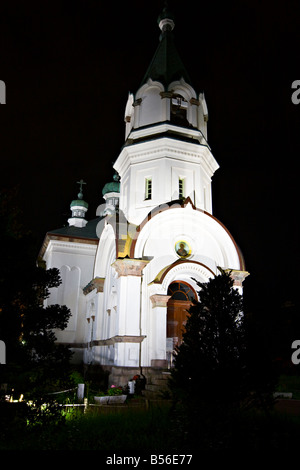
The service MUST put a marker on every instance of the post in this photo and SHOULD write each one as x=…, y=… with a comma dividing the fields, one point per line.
x=80, y=392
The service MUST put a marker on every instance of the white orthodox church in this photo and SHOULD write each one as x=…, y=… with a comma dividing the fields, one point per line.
x=128, y=275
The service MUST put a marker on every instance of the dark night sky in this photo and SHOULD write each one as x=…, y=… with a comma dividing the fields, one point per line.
x=68, y=68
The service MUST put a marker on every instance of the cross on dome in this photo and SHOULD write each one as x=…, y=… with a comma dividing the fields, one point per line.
x=81, y=182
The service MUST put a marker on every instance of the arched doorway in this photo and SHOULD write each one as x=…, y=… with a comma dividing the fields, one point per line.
x=182, y=295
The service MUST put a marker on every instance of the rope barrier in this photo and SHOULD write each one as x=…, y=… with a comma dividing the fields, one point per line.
x=63, y=391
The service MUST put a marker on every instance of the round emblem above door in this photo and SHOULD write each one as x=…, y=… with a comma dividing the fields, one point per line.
x=183, y=249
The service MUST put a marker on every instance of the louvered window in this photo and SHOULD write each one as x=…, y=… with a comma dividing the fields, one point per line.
x=148, y=189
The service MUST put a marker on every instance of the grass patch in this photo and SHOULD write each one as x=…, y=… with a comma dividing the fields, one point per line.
x=289, y=383
x=154, y=430
x=123, y=430
x=115, y=430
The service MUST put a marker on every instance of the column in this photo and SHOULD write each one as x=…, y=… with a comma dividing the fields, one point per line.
x=238, y=278
x=159, y=330
x=128, y=325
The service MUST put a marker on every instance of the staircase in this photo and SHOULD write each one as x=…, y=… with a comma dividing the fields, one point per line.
x=156, y=387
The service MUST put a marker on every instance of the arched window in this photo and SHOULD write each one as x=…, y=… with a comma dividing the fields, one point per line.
x=180, y=290
x=179, y=110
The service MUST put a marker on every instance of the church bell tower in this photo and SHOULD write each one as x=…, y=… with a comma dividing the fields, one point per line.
x=166, y=156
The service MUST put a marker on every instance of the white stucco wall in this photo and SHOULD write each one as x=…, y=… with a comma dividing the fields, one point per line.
x=75, y=262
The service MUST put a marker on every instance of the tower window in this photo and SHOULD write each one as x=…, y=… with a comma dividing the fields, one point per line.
x=178, y=110
x=181, y=188
x=148, y=189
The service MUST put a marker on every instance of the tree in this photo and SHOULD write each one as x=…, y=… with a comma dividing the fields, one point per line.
x=209, y=376
x=216, y=376
x=209, y=364
x=26, y=325
x=34, y=360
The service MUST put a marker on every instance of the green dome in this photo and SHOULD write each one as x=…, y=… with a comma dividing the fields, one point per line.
x=112, y=187
x=79, y=202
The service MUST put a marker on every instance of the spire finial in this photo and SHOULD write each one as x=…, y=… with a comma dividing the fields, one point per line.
x=116, y=177
x=166, y=19
x=80, y=194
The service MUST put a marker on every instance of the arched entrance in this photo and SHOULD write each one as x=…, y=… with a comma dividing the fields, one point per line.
x=182, y=294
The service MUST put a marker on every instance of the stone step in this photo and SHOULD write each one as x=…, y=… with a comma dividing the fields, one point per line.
x=160, y=381
x=156, y=385
x=162, y=375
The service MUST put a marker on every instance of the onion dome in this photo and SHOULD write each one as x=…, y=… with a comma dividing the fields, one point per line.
x=113, y=186
x=79, y=208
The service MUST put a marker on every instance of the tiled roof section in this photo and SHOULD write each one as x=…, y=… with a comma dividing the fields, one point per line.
x=166, y=65
x=88, y=232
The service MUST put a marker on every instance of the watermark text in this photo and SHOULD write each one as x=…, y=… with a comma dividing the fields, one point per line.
x=2, y=92
x=296, y=94
x=296, y=354
x=122, y=227
x=2, y=352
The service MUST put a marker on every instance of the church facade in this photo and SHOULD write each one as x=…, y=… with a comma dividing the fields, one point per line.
x=128, y=275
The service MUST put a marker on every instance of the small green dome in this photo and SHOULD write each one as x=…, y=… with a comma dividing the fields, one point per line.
x=79, y=202
x=112, y=187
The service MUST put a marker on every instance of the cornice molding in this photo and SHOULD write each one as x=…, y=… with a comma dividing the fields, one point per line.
x=130, y=267
x=96, y=283
x=159, y=300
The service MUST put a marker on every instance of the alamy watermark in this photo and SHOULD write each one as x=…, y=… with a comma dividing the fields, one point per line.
x=296, y=94
x=123, y=228
x=296, y=354
x=2, y=92
x=2, y=352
